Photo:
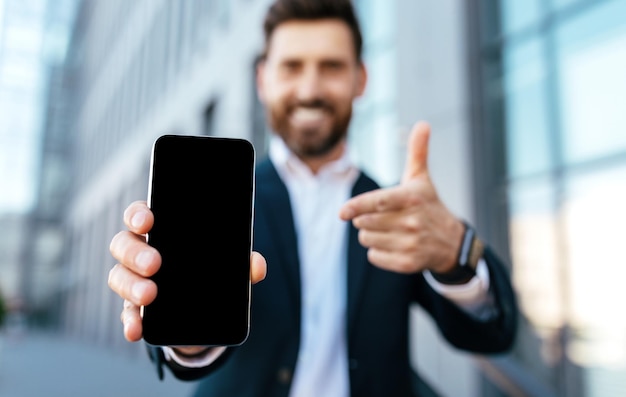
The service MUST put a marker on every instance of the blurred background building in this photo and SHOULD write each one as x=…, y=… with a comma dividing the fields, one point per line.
x=33, y=43
x=526, y=99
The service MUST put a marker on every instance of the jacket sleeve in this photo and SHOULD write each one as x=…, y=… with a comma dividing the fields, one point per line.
x=466, y=332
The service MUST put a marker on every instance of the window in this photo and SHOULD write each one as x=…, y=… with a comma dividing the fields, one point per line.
x=553, y=90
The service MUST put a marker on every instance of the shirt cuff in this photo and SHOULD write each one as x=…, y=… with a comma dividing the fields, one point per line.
x=199, y=361
x=474, y=296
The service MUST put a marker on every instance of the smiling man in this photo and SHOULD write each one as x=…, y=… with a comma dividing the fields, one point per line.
x=346, y=259
x=308, y=80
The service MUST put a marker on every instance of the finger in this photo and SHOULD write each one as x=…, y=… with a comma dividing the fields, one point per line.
x=393, y=242
x=417, y=151
x=131, y=318
x=130, y=286
x=387, y=221
x=377, y=201
x=258, y=267
x=132, y=250
x=138, y=217
x=392, y=260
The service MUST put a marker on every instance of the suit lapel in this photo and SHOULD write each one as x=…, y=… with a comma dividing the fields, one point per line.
x=358, y=265
x=277, y=206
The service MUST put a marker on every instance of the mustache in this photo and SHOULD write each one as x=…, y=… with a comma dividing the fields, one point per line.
x=316, y=103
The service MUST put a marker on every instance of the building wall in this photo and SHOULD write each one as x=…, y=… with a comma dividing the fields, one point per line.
x=32, y=38
x=10, y=254
x=432, y=82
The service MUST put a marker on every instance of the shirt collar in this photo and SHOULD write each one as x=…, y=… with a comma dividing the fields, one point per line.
x=287, y=163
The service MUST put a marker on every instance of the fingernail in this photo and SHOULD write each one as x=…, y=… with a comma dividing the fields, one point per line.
x=138, y=290
x=143, y=259
x=138, y=219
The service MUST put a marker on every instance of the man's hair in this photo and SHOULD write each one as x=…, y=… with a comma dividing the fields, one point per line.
x=282, y=11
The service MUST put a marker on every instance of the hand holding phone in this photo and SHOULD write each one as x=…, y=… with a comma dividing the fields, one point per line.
x=201, y=192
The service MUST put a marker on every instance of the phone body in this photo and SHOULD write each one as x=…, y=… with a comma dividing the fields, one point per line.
x=201, y=192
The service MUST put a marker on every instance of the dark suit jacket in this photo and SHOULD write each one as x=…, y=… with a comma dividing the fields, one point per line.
x=378, y=313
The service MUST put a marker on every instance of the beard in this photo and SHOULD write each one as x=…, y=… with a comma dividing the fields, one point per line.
x=310, y=141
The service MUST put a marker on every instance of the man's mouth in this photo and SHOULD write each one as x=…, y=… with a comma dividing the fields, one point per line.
x=308, y=114
x=308, y=117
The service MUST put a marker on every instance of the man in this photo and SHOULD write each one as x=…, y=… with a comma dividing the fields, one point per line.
x=346, y=259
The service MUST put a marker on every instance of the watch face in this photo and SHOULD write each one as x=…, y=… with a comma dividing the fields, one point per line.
x=466, y=246
x=469, y=254
x=476, y=252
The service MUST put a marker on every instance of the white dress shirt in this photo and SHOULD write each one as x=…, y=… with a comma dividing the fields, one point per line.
x=322, y=367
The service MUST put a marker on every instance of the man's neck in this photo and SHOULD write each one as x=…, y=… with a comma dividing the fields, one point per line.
x=315, y=163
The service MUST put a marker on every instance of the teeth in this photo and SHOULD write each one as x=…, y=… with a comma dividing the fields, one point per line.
x=307, y=114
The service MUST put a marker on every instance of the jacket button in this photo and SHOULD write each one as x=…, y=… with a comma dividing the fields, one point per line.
x=353, y=363
x=284, y=375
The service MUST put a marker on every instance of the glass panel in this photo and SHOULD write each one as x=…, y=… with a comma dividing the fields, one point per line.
x=375, y=141
x=494, y=95
x=386, y=165
x=224, y=13
x=592, y=67
x=537, y=275
x=566, y=229
x=374, y=128
x=558, y=4
x=377, y=21
x=18, y=167
x=595, y=216
x=518, y=14
x=381, y=80
x=526, y=109
x=489, y=13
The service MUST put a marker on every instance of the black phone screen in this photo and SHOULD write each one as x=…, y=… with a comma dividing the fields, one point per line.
x=201, y=193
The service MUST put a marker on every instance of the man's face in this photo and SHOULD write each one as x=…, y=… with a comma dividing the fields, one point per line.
x=308, y=82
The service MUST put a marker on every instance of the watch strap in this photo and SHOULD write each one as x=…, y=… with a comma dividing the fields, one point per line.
x=470, y=252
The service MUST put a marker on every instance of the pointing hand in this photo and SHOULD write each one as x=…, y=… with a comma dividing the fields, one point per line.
x=407, y=228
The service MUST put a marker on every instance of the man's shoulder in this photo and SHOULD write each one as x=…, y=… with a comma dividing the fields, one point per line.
x=364, y=183
x=265, y=170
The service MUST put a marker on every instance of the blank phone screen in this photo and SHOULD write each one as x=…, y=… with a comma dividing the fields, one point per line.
x=201, y=193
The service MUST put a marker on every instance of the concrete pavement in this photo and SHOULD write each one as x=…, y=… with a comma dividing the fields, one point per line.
x=46, y=364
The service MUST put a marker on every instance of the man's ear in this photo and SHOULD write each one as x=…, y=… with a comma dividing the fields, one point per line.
x=361, y=77
x=260, y=86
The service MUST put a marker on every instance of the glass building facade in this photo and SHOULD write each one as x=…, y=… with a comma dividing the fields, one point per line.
x=33, y=42
x=551, y=81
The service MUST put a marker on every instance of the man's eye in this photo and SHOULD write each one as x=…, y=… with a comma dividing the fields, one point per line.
x=333, y=66
x=291, y=67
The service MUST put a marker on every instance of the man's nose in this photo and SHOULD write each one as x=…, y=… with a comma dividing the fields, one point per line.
x=309, y=86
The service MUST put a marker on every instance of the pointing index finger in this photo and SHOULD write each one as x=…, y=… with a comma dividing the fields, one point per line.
x=380, y=200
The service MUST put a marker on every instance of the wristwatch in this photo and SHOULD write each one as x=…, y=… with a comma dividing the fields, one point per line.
x=469, y=254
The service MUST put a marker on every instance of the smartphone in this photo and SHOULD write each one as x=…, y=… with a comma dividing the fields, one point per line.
x=201, y=191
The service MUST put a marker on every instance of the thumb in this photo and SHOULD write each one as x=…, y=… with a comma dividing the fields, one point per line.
x=417, y=151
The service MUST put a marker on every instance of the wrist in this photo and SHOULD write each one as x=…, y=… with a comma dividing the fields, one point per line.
x=469, y=253
x=190, y=352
